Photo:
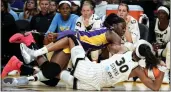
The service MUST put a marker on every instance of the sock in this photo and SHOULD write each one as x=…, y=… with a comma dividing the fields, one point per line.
x=26, y=70
x=40, y=76
x=41, y=51
x=67, y=77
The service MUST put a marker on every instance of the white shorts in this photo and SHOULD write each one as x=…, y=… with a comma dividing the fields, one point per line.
x=88, y=73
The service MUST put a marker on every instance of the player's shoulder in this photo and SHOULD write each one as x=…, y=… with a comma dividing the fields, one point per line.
x=133, y=20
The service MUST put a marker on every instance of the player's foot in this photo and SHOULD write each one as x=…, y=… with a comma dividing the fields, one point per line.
x=15, y=81
x=13, y=64
x=27, y=53
x=22, y=38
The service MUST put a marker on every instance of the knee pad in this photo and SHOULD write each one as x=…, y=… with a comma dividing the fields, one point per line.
x=77, y=52
x=52, y=82
x=74, y=39
x=50, y=69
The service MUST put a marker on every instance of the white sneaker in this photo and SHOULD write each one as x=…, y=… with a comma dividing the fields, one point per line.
x=15, y=81
x=26, y=53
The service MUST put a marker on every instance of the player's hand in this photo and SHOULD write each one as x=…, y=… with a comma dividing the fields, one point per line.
x=155, y=46
x=162, y=63
x=52, y=36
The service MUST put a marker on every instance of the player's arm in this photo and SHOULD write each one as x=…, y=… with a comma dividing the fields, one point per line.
x=154, y=85
x=50, y=37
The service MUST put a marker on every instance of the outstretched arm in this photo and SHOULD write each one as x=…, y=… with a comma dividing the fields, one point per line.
x=154, y=85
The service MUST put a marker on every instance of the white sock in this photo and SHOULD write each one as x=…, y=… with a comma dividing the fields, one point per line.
x=67, y=77
x=40, y=76
x=31, y=78
x=40, y=52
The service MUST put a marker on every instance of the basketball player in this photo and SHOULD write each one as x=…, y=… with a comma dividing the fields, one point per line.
x=162, y=36
x=90, y=76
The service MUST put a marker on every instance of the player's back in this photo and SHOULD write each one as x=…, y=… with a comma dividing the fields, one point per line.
x=118, y=68
x=95, y=39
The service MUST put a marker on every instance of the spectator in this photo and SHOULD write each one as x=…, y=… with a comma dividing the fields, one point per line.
x=13, y=13
x=41, y=21
x=89, y=22
x=8, y=28
x=30, y=10
x=161, y=28
x=132, y=24
x=63, y=20
x=162, y=35
x=53, y=7
x=100, y=8
x=76, y=7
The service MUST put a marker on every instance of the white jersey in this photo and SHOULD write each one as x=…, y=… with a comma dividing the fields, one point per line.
x=118, y=68
x=94, y=23
x=133, y=28
x=162, y=36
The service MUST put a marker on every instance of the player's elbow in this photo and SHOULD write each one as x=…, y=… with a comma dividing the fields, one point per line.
x=155, y=88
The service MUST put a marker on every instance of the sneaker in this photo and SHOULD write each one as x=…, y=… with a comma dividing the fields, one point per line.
x=21, y=38
x=15, y=81
x=13, y=64
x=26, y=53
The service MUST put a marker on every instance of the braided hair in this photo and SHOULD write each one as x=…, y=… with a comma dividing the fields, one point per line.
x=112, y=19
x=151, y=60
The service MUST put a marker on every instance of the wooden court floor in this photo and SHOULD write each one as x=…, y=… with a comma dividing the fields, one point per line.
x=124, y=86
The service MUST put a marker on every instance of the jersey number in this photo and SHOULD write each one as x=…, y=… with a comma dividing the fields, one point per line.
x=123, y=68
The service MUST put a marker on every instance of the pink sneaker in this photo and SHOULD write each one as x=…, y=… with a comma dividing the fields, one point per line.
x=13, y=64
x=20, y=38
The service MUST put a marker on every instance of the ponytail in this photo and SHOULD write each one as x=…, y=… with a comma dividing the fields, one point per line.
x=151, y=60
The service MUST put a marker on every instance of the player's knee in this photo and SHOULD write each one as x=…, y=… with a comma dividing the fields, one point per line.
x=74, y=39
x=50, y=69
x=77, y=52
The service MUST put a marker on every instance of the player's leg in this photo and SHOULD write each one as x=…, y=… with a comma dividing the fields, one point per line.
x=32, y=54
x=69, y=80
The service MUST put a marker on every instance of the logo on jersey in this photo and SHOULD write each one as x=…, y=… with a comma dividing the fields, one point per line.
x=115, y=71
x=160, y=36
x=122, y=68
x=133, y=21
x=78, y=24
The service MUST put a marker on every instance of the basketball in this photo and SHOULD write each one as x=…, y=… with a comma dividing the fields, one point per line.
x=154, y=73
